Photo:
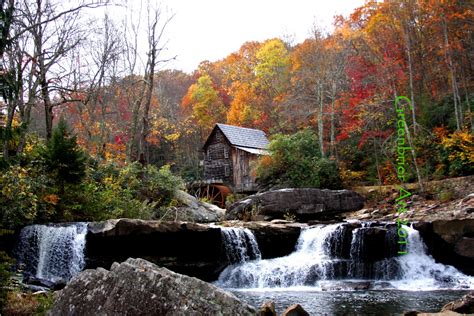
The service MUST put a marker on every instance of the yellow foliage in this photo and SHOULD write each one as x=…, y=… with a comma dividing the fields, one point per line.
x=460, y=146
x=172, y=137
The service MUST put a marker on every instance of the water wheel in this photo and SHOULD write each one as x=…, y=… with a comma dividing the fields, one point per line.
x=213, y=193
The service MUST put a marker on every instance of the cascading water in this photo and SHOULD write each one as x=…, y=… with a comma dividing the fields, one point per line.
x=52, y=252
x=322, y=255
x=240, y=245
x=303, y=267
x=420, y=271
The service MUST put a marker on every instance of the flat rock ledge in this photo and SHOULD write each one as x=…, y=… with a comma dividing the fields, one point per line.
x=139, y=287
x=302, y=203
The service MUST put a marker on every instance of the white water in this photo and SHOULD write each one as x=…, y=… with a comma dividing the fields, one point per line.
x=297, y=269
x=420, y=271
x=312, y=266
x=240, y=244
x=53, y=252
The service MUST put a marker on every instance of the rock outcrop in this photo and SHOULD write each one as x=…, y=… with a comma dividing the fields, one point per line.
x=450, y=242
x=138, y=287
x=304, y=204
x=276, y=238
x=464, y=305
x=188, y=248
x=193, y=210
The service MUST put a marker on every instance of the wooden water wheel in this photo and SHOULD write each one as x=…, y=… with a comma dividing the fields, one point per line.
x=213, y=193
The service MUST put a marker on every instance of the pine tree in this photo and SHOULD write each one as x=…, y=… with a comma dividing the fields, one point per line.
x=63, y=158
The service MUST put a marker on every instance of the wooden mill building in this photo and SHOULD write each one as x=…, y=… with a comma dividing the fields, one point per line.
x=228, y=155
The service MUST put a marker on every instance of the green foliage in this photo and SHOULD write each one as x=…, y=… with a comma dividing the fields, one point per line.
x=34, y=191
x=12, y=137
x=25, y=196
x=457, y=153
x=326, y=174
x=442, y=113
x=5, y=272
x=62, y=156
x=296, y=161
x=134, y=191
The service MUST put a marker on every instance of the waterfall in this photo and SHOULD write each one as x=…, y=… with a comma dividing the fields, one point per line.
x=52, y=252
x=335, y=253
x=308, y=263
x=240, y=245
x=420, y=271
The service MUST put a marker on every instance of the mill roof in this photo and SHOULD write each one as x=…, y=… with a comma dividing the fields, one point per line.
x=242, y=136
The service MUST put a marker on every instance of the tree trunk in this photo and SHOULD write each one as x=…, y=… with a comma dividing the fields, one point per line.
x=321, y=120
x=410, y=72
x=333, y=127
x=449, y=62
x=150, y=77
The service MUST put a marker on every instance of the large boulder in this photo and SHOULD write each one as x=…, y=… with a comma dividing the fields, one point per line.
x=295, y=310
x=139, y=287
x=464, y=305
x=304, y=204
x=193, y=210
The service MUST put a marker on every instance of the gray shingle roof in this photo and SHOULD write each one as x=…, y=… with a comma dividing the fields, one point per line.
x=245, y=137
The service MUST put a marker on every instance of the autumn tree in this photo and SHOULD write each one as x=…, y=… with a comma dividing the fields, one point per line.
x=271, y=81
x=207, y=107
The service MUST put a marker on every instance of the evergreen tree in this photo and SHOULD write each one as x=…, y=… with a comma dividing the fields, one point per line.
x=63, y=158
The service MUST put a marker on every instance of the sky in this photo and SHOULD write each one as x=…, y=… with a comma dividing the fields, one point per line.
x=212, y=29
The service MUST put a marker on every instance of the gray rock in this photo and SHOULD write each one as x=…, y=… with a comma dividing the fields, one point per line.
x=188, y=248
x=464, y=305
x=306, y=204
x=295, y=310
x=346, y=285
x=465, y=247
x=192, y=209
x=139, y=287
x=267, y=309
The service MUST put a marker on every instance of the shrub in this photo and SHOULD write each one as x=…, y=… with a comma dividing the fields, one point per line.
x=296, y=161
x=135, y=191
x=458, y=153
x=55, y=183
x=26, y=196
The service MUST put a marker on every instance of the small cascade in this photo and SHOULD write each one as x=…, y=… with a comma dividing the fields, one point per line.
x=307, y=264
x=420, y=271
x=52, y=252
x=357, y=266
x=345, y=253
x=240, y=245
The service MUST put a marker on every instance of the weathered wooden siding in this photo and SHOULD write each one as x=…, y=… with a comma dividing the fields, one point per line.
x=218, y=161
x=244, y=177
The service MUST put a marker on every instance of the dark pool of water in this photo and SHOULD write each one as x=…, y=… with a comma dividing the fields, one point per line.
x=383, y=302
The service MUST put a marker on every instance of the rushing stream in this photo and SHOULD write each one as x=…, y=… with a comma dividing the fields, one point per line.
x=324, y=281
x=334, y=270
